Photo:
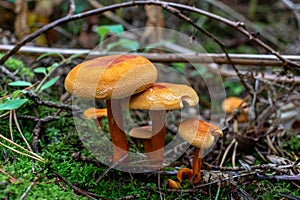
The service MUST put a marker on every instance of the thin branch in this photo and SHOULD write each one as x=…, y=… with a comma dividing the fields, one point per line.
x=237, y=25
x=34, y=96
x=72, y=8
x=240, y=26
x=77, y=190
x=211, y=36
x=218, y=58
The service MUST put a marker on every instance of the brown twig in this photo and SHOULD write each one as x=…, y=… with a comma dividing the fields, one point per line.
x=36, y=135
x=34, y=96
x=218, y=58
x=263, y=167
x=211, y=36
x=38, y=128
x=167, y=5
x=240, y=26
x=77, y=190
x=72, y=7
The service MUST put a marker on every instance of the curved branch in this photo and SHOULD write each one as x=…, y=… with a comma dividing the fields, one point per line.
x=167, y=5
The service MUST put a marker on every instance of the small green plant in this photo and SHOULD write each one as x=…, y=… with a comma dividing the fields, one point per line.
x=18, y=66
x=125, y=43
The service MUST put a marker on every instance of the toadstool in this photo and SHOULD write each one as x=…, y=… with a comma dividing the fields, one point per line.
x=112, y=78
x=173, y=184
x=180, y=174
x=201, y=135
x=96, y=114
x=158, y=99
x=232, y=103
x=144, y=133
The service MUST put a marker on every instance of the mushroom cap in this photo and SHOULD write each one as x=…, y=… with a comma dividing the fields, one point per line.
x=144, y=132
x=164, y=96
x=111, y=77
x=199, y=133
x=94, y=113
x=231, y=103
x=173, y=184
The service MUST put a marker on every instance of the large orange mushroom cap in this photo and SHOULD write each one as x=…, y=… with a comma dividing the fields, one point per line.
x=111, y=77
x=199, y=133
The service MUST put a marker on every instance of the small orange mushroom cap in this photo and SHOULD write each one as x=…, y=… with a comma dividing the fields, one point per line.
x=164, y=96
x=111, y=77
x=144, y=132
x=94, y=113
x=173, y=184
x=231, y=103
x=199, y=133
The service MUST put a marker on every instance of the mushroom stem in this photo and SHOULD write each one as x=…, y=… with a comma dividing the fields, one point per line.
x=158, y=118
x=98, y=122
x=115, y=123
x=197, y=163
x=184, y=171
x=147, y=145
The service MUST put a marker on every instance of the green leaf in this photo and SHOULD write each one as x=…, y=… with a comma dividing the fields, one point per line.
x=179, y=67
x=13, y=104
x=49, y=83
x=102, y=32
x=53, y=66
x=20, y=83
x=40, y=70
x=16, y=93
x=116, y=29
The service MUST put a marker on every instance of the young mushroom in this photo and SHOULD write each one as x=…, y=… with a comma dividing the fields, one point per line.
x=201, y=135
x=112, y=78
x=182, y=172
x=158, y=99
x=143, y=133
x=96, y=114
x=230, y=104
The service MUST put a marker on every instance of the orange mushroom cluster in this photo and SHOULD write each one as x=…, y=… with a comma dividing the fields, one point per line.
x=114, y=78
x=158, y=100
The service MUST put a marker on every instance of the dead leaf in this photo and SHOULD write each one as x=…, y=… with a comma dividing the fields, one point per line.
x=278, y=160
x=154, y=26
x=20, y=25
x=45, y=7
